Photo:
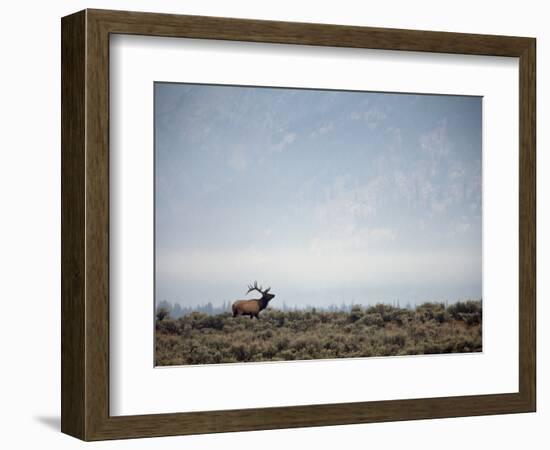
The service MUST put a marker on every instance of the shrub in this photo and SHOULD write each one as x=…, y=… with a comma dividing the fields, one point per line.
x=356, y=313
x=387, y=312
x=168, y=326
x=396, y=338
x=214, y=322
x=162, y=313
x=470, y=318
x=380, y=330
x=442, y=316
x=375, y=319
x=468, y=307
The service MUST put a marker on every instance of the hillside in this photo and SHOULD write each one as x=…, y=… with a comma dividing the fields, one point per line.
x=380, y=330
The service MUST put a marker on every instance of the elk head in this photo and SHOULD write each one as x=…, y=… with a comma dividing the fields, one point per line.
x=266, y=296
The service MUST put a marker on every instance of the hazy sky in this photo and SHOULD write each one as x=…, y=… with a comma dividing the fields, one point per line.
x=326, y=196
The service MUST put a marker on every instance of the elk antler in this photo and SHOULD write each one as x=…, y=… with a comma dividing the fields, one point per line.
x=256, y=288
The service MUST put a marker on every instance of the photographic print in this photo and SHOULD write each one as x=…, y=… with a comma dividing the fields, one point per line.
x=302, y=224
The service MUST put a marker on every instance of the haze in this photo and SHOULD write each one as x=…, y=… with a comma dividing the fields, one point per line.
x=326, y=196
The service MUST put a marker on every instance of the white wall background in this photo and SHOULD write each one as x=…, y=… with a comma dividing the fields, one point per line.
x=30, y=225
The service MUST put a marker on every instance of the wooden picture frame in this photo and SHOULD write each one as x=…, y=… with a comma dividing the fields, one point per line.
x=85, y=224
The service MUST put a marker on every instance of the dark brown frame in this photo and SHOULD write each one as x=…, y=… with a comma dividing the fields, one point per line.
x=85, y=224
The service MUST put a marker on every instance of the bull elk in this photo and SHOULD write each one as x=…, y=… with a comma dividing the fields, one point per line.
x=252, y=307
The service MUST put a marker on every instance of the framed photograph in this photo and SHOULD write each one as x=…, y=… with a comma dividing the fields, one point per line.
x=273, y=225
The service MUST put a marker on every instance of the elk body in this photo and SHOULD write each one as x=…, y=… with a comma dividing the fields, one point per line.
x=252, y=307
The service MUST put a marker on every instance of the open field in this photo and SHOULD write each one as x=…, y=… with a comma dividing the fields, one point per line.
x=380, y=330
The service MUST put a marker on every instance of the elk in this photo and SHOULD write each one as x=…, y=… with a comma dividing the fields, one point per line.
x=252, y=307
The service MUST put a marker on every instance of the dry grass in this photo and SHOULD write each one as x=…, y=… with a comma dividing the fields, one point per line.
x=380, y=330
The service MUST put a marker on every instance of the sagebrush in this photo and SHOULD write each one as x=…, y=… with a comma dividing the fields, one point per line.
x=380, y=330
